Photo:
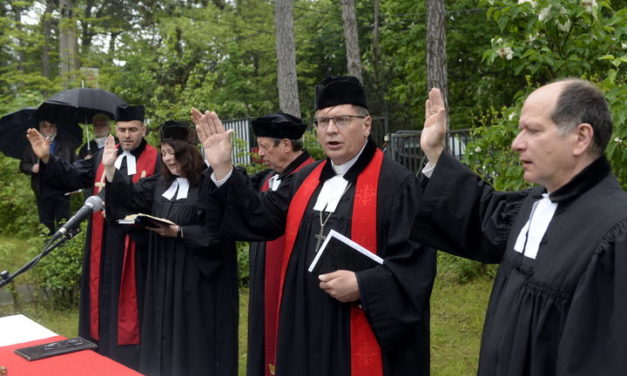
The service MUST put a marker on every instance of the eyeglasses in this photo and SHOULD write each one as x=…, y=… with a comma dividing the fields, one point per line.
x=340, y=121
x=265, y=147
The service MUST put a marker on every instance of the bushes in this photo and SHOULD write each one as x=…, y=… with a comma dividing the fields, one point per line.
x=59, y=273
x=18, y=211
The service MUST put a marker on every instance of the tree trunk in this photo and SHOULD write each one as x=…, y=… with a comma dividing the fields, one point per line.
x=47, y=26
x=351, y=37
x=113, y=36
x=286, y=58
x=17, y=9
x=87, y=32
x=68, y=44
x=379, y=83
x=436, y=48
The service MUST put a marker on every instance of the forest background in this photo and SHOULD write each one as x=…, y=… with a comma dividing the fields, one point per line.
x=171, y=55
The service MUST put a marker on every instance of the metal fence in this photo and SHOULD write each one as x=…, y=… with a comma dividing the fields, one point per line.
x=404, y=147
x=243, y=140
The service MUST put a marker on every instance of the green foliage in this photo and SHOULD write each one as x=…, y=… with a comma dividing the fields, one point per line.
x=243, y=254
x=544, y=40
x=461, y=270
x=58, y=274
x=18, y=211
x=489, y=153
x=311, y=144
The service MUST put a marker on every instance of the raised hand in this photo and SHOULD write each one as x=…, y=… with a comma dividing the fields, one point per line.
x=40, y=146
x=196, y=116
x=216, y=141
x=432, y=138
x=109, y=155
x=110, y=152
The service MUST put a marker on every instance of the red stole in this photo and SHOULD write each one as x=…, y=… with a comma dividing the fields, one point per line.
x=128, y=314
x=366, y=357
x=272, y=269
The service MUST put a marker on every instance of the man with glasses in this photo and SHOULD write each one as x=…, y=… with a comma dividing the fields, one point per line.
x=102, y=129
x=369, y=322
x=279, y=137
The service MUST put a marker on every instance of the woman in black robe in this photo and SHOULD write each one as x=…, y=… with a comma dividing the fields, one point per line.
x=190, y=318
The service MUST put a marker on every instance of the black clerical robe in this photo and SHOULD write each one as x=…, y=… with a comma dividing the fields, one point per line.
x=189, y=325
x=265, y=264
x=314, y=328
x=102, y=320
x=563, y=312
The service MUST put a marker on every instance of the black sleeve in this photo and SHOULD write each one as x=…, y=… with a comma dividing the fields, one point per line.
x=123, y=197
x=396, y=294
x=27, y=162
x=251, y=215
x=67, y=176
x=463, y=215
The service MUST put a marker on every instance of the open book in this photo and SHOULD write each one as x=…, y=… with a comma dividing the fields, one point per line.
x=341, y=253
x=143, y=220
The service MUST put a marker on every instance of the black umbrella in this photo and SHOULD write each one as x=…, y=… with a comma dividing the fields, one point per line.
x=13, y=126
x=79, y=105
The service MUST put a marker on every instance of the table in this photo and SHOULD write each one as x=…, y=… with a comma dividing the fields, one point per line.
x=19, y=331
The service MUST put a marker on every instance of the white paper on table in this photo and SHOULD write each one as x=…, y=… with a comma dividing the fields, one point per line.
x=19, y=329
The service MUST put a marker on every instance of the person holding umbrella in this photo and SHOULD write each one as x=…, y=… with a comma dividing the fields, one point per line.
x=53, y=204
x=114, y=265
x=102, y=129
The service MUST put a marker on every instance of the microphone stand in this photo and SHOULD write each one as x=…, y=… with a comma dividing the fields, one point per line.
x=6, y=278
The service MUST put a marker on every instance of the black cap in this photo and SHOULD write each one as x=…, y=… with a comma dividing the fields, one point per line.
x=334, y=91
x=279, y=125
x=130, y=113
x=175, y=130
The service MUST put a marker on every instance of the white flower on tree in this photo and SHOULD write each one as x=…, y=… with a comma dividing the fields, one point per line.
x=505, y=52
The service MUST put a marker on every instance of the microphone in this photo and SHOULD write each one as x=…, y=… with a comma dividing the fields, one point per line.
x=92, y=204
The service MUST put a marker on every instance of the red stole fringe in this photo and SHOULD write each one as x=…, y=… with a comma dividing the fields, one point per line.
x=128, y=312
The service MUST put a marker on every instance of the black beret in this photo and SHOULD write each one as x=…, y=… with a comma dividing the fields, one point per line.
x=279, y=125
x=175, y=130
x=334, y=91
x=130, y=113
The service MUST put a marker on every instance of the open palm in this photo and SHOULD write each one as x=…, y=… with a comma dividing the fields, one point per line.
x=215, y=139
x=433, y=134
x=110, y=152
x=40, y=146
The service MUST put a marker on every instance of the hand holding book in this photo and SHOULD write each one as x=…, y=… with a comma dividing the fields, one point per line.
x=144, y=220
x=161, y=226
x=336, y=263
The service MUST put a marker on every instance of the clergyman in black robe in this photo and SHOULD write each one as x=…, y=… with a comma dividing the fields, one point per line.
x=279, y=138
x=318, y=315
x=189, y=325
x=558, y=304
x=111, y=295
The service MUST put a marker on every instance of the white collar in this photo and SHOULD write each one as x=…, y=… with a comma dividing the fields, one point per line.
x=131, y=162
x=532, y=233
x=100, y=141
x=183, y=188
x=344, y=167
